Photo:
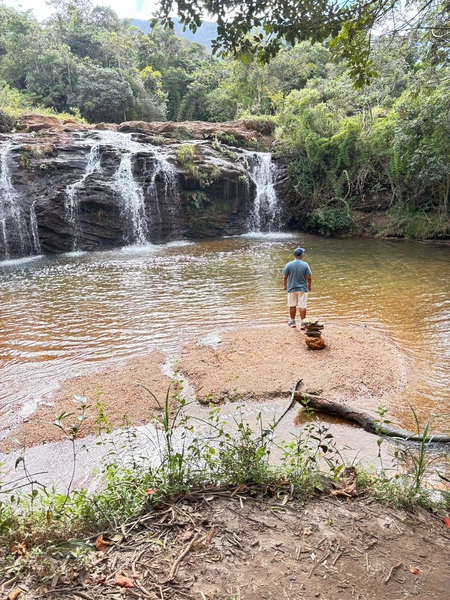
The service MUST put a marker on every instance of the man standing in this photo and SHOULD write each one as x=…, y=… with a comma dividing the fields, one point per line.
x=297, y=283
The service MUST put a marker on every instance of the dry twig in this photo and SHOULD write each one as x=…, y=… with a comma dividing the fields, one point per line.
x=391, y=571
x=176, y=564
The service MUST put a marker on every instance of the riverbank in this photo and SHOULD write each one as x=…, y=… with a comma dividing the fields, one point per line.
x=296, y=533
x=360, y=366
x=242, y=543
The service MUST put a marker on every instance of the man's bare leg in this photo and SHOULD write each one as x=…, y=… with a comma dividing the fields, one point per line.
x=292, y=311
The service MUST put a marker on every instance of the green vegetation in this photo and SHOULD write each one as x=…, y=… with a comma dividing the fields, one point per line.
x=351, y=151
x=204, y=175
x=185, y=154
x=218, y=147
x=261, y=29
x=197, y=198
x=186, y=453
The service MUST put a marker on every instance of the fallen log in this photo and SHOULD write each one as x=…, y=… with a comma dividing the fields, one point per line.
x=360, y=418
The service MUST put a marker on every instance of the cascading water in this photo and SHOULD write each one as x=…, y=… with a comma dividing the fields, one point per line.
x=133, y=202
x=34, y=229
x=131, y=193
x=166, y=171
x=265, y=216
x=71, y=201
x=14, y=228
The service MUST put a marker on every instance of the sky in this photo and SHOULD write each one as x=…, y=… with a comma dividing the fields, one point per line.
x=130, y=9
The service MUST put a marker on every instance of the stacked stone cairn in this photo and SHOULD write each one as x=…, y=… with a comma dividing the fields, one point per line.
x=313, y=334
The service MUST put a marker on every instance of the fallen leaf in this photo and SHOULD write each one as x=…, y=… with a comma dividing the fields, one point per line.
x=122, y=581
x=19, y=549
x=186, y=535
x=101, y=544
x=446, y=521
x=84, y=577
x=151, y=491
x=198, y=544
x=14, y=594
x=414, y=571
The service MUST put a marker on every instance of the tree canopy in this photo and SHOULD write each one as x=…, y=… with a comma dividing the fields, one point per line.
x=261, y=27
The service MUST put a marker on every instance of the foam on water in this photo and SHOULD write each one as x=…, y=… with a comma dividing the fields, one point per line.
x=275, y=235
x=12, y=262
x=138, y=248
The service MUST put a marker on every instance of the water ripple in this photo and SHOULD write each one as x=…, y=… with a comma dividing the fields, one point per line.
x=65, y=314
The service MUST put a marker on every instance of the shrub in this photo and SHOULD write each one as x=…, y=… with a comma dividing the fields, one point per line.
x=334, y=218
x=417, y=223
x=229, y=154
x=185, y=154
x=197, y=198
x=6, y=122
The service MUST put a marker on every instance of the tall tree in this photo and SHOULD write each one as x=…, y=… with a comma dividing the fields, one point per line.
x=101, y=94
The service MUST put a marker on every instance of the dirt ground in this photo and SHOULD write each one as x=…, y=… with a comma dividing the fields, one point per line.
x=229, y=545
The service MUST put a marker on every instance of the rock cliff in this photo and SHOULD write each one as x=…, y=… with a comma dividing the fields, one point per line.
x=65, y=186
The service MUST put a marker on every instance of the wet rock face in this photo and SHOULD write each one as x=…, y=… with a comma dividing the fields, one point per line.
x=63, y=188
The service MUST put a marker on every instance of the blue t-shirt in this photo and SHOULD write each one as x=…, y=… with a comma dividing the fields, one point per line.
x=297, y=270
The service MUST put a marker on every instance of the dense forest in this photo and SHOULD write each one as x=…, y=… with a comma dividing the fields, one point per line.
x=351, y=150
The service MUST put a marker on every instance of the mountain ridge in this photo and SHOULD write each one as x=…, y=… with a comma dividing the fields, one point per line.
x=204, y=34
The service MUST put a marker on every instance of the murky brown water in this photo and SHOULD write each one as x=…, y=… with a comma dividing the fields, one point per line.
x=60, y=316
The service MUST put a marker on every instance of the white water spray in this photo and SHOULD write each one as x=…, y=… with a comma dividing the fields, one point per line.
x=11, y=217
x=167, y=172
x=266, y=213
x=34, y=230
x=72, y=190
x=133, y=202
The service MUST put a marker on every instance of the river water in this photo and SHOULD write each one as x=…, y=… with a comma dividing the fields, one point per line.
x=61, y=316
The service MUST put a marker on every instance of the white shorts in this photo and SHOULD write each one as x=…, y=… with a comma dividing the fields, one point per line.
x=299, y=299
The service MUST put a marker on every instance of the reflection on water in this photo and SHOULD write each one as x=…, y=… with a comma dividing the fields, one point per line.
x=63, y=315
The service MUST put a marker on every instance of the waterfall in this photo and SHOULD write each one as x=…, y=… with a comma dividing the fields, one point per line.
x=131, y=192
x=165, y=170
x=265, y=215
x=103, y=189
x=34, y=229
x=133, y=207
x=13, y=226
x=71, y=201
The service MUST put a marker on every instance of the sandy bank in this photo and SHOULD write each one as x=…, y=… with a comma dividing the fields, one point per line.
x=359, y=365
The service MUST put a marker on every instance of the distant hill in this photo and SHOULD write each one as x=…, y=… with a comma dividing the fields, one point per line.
x=203, y=35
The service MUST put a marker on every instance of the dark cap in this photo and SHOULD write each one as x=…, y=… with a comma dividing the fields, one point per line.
x=299, y=251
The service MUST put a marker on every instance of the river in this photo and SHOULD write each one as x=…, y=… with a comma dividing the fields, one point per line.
x=62, y=316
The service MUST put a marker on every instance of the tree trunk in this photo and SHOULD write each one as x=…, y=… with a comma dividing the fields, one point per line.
x=363, y=419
